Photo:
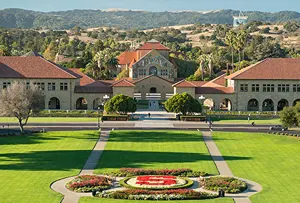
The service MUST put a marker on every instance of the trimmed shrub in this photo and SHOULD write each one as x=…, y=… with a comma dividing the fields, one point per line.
x=228, y=184
x=129, y=172
x=134, y=194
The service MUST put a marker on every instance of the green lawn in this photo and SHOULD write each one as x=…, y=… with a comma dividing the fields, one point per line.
x=50, y=119
x=98, y=200
x=257, y=121
x=29, y=164
x=274, y=162
x=156, y=149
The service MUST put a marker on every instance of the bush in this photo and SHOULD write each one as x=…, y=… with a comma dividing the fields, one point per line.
x=87, y=183
x=129, y=172
x=228, y=184
x=136, y=194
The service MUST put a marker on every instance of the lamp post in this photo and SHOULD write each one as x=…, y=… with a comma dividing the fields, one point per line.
x=98, y=124
x=202, y=98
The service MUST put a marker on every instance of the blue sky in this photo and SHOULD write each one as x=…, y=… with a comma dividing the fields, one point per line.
x=155, y=5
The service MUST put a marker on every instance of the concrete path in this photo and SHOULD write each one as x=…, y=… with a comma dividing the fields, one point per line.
x=90, y=165
x=224, y=170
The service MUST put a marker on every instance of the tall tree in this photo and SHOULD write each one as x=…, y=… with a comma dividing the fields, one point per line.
x=239, y=43
x=229, y=40
x=21, y=101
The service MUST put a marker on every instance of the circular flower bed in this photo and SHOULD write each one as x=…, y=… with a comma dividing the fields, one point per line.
x=229, y=185
x=156, y=182
x=87, y=183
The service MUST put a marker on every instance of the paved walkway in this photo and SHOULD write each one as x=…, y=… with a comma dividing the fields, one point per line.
x=224, y=170
x=90, y=165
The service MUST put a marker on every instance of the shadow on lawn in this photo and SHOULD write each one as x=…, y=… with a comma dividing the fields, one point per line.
x=44, y=160
x=74, y=159
x=115, y=159
x=154, y=136
x=41, y=138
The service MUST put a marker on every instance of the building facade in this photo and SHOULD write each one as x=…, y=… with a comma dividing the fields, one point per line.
x=269, y=85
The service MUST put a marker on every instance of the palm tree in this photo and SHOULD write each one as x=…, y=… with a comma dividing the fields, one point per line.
x=202, y=60
x=99, y=57
x=93, y=69
x=239, y=43
x=230, y=40
x=209, y=58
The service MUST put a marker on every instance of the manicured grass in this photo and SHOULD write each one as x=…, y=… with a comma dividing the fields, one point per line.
x=29, y=164
x=156, y=150
x=274, y=162
x=98, y=200
x=275, y=121
x=50, y=119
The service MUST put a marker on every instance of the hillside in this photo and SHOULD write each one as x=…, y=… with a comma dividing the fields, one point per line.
x=13, y=18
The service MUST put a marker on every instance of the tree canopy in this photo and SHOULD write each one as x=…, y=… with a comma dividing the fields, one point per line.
x=183, y=103
x=120, y=104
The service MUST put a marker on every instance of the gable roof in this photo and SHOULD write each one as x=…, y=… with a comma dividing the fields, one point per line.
x=153, y=44
x=270, y=69
x=185, y=83
x=32, y=67
x=122, y=83
x=89, y=85
x=127, y=57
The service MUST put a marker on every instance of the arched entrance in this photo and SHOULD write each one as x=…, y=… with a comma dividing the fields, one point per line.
x=226, y=105
x=209, y=104
x=253, y=105
x=153, y=90
x=81, y=104
x=54, y=103
x=268, y=105
x=295, y=102
x=153, y=70
x=281, y=104
x=97, y=103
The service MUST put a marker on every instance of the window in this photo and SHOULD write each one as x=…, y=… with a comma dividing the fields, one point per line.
x=268, y=88
x=244, y=88
x=5, y=84
x=296, y=88
x=255, y=87
x=51, y=86
x=283, y=88
x=164, y=72
x=63, y=86
x=40, y=85
x=27, y=85
x=142, y=72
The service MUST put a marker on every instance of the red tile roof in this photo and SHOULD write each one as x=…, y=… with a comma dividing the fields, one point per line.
x=127, y=57
x=122, y=83
x=32, y=67
x=185, y=83
x=270, y=69
x=214, y=90
x=149, y=76
x=153, y=45
x=89, y=85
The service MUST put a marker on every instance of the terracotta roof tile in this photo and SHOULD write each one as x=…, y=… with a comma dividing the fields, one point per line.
x=89, y=85
x=153, y=45
x=122, y=83
x=270, y=69
x=127, y=57
x=149, y=76
x=214, y=90
x=185, y=83
x=32, y=67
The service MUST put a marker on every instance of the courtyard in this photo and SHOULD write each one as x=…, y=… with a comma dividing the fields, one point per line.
x=29, y=164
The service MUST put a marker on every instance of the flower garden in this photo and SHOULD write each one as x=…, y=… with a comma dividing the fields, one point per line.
x=159, y=185
x=88, y=183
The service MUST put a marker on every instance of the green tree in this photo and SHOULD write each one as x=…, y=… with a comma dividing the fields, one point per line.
x=240, y=43
x=120, y=104
x=288, y=117
x=230, y=40
x=183, y=103
x=123, y=74
x=51, y=51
